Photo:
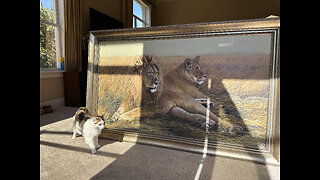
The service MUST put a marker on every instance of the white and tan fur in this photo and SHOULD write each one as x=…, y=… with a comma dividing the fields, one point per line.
x=88, y=126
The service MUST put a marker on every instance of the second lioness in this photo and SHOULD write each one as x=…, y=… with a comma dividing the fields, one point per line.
x=184, y=78
x=179, y=93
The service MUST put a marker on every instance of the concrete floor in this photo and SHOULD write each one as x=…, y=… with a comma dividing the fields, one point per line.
x=64, y=158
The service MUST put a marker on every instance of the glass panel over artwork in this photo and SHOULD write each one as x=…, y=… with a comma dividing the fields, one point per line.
x=202, y=81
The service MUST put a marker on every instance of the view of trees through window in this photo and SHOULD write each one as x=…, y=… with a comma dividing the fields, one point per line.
x=47, y=38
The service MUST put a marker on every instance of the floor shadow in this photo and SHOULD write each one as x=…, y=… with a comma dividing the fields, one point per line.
x=59, y=113
x=102, y=141
x=80, y=149
x=56, y=132
x=150, y=162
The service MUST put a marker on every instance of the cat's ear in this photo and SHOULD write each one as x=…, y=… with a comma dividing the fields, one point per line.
x=102, y=117
x=94, y=120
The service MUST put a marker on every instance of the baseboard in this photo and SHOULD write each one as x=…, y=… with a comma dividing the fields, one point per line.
x=54, y=103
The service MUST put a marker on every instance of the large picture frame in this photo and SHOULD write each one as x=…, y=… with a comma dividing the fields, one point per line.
x=210, y=88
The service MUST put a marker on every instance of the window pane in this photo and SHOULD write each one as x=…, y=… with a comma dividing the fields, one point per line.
x=47, y=46
x=137, y=9
x=47, y=35
x=139, y=23
x=47, y=3
x=46, y=11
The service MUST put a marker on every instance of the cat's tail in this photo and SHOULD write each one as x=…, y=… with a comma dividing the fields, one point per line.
x=82, y=115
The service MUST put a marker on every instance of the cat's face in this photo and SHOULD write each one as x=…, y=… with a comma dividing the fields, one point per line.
x=98, y=122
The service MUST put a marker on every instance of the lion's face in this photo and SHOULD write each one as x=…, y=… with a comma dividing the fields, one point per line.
x=195, y=71
x=148, y=67
x=151, y=79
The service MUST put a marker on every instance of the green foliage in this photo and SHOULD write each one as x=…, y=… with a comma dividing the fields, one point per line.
x=47, y=38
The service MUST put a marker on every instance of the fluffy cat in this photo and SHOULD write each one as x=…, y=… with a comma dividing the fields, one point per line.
x=87, y=126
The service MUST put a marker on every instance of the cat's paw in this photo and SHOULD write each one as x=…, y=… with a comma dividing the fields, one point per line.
x=93, y=151
x=74, y=136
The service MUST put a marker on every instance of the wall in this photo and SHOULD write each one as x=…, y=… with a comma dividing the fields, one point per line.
x=169, y=12
x=51, y=86
x=111, y=8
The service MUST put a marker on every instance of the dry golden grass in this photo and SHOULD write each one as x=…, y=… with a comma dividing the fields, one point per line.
x=240, y=92
x=116, y=82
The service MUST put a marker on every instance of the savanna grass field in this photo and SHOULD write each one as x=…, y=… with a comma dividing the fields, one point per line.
x=240, y=87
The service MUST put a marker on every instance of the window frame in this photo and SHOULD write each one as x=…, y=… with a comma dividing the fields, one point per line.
x=58, y=24
x=146, y=15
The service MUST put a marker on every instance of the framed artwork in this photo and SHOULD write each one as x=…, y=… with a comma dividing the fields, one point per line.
x=208, y=87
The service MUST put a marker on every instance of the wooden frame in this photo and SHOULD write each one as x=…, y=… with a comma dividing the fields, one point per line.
x=250, y=37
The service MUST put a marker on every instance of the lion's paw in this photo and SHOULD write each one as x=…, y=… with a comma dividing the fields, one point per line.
x=232, y=129
x=124, y=118
x=115, y=117
x=210, y=125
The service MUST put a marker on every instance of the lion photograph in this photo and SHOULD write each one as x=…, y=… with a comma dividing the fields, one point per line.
x=188, y=88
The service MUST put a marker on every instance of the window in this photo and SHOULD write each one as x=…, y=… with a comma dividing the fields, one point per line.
x=141, y=14
x=51, y=33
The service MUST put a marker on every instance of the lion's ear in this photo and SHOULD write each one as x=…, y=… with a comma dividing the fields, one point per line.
x=138, y=65
x=188, y=63
x=196, y=59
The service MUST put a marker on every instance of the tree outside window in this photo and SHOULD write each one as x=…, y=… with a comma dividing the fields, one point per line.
x=47, y=38
x=51, y=34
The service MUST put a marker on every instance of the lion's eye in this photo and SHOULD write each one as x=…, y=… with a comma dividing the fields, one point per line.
x=149, y=73
x=197, y=69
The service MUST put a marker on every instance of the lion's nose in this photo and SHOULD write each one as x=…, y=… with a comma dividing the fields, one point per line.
x=156, y=83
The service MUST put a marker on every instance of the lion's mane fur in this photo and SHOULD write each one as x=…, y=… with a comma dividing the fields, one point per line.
x=149, y=101
x=126, y=85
